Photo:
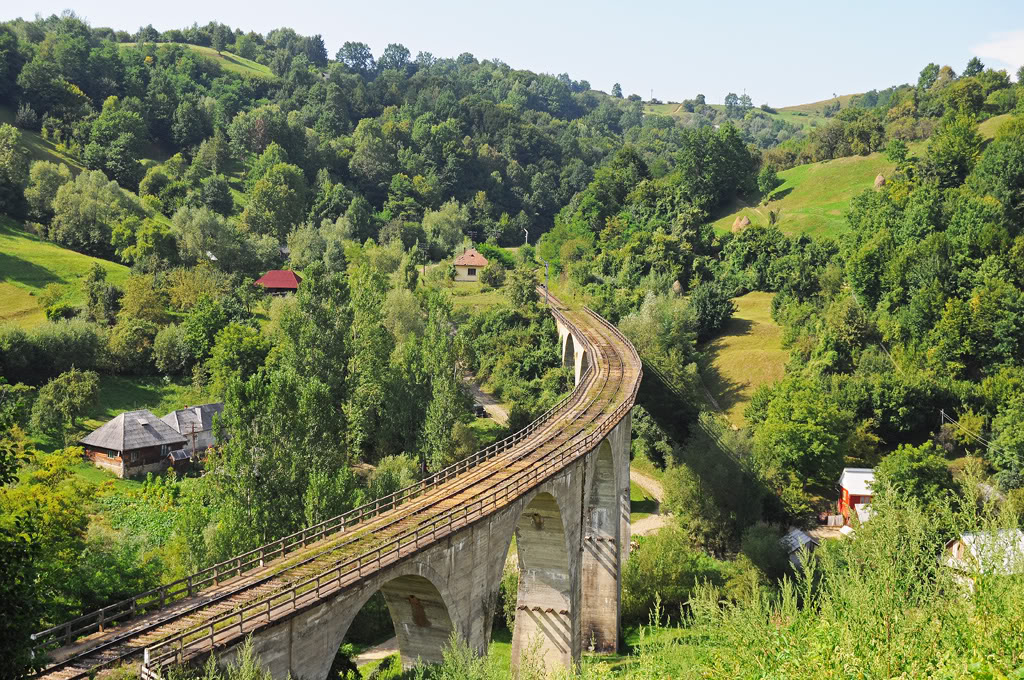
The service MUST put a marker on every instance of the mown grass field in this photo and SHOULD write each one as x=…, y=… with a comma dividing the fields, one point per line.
x=28, y=263
x=813, y=199
x=747, y=354
x=471, y=296
x=227, y=61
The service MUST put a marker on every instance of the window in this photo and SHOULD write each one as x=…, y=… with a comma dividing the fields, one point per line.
x=135, y=456
x=471, y=272
x=111, y=454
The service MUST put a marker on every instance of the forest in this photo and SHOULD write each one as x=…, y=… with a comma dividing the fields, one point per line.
x=198, y=159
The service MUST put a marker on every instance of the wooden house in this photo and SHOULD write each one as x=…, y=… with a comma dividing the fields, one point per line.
x=195, y=424
x=133, y=443
x=976, y=554
x=279, y=281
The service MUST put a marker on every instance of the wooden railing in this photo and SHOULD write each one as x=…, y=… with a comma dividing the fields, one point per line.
x=179, y=647
x=159, y=597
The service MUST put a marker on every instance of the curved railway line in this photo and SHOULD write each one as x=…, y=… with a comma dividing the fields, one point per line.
x=285, y=576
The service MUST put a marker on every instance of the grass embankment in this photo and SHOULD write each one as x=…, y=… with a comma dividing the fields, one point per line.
x=129, y=393
x=28, y=264
x=813, y=199
x=746, y=354
x=227, y=60
x=471, y=296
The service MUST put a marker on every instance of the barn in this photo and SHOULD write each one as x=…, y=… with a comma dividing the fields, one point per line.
x=855, y=492
x=133, y=443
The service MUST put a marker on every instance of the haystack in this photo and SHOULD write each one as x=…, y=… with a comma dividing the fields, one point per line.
x=880, y=181
x=740, y=223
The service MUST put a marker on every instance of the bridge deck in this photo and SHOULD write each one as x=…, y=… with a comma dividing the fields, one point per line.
x=221, y=614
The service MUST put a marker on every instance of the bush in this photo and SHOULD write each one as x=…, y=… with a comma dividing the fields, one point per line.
x=663, y=565
x=493, y=275
x=710, y=309
x=761, y=545
x=496, y=254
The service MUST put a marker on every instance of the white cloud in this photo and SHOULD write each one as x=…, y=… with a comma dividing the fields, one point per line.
x=1006, y=47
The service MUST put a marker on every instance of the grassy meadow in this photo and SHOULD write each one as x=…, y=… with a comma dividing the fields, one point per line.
x=813, y=198
x=227, y=60
x=747, y=354
x=28, y=263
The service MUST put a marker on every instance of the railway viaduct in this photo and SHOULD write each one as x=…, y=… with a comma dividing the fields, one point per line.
x=435, y=550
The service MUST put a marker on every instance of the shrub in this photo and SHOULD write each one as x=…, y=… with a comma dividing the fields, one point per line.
x=493, y=275
x=26, y=118
x=664, y=565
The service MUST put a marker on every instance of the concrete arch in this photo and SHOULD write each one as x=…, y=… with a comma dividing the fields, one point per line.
x=601, y=555
x=544, y=609
x=418, y=598
x=569, y=351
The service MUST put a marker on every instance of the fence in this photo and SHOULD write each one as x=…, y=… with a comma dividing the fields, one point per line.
x=184, y=645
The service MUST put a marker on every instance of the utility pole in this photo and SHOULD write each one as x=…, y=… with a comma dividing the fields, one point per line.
x=527, y=232
x=546, y=264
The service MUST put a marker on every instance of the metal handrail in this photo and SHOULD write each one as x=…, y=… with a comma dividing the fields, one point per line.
x=535, y=475
x=237, y=565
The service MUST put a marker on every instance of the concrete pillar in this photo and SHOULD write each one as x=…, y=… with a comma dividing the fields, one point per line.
x=601, y=596
x=544, y=608
x=422, y=624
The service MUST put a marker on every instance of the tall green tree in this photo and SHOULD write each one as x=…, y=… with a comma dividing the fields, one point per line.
x=63, y=400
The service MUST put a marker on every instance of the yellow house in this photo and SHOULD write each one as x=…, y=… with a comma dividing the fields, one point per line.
x=468, y=265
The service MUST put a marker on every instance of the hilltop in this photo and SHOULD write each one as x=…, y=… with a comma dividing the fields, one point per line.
x=227, y=60
x=813, y=198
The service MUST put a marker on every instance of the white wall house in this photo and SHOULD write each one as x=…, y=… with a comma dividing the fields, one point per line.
x=469, y=264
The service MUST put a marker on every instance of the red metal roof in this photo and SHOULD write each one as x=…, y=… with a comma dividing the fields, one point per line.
x=471, y=258
x=279, y=278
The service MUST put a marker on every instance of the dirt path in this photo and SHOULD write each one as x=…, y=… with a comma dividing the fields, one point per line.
x=495, y=409
x=378, y=652
x=650, y=524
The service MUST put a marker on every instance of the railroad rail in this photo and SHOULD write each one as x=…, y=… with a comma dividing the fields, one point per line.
x=187, y=618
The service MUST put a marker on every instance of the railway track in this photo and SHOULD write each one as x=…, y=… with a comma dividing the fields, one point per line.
x=191, y=627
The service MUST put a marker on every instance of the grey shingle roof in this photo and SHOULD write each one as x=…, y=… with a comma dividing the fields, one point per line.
x=132, y=430
x=201, y=417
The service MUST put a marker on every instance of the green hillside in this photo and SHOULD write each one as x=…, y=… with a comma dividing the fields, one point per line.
x=813, y=198
x=746, y=354
x=28, y=264
x=801, y=115
x=40, y=149
x=228, y=61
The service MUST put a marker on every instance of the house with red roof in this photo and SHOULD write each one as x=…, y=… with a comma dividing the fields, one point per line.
x=279, y=281
x=469, y=264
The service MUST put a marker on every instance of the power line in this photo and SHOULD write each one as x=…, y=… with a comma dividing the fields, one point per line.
x=978, y=438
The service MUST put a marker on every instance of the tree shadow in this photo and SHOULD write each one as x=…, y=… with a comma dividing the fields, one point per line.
x=16, y=270
x=648, y=506
x=780, y=194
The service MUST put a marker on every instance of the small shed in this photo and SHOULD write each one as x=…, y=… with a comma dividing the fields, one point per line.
x=855, y=491
x=133, y=443
x=796, y=540
x=195, y=423
x=999, y=552
x=469, y=264
x=279, y=281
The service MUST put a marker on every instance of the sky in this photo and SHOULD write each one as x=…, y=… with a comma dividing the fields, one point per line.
x=779, y=53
